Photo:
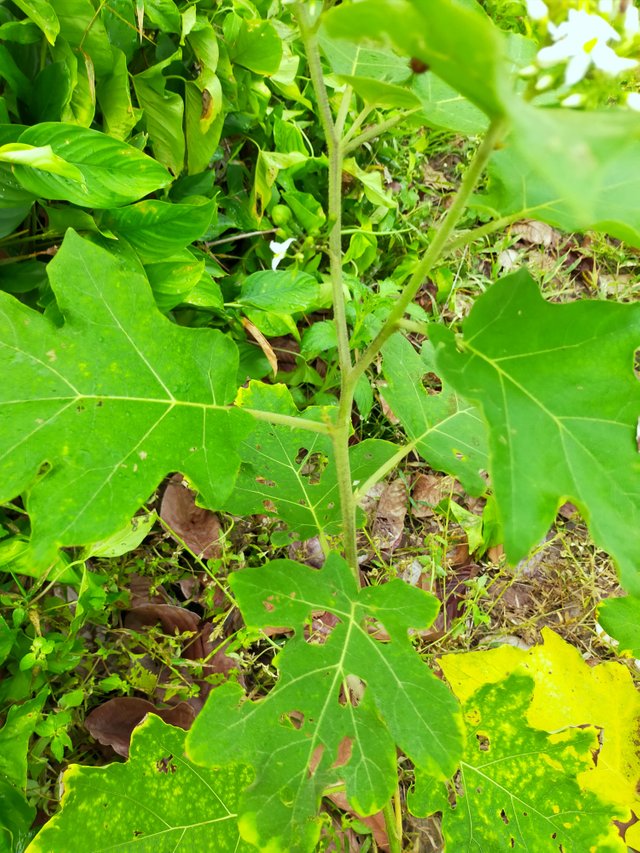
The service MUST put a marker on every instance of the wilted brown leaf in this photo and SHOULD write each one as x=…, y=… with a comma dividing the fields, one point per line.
x=427, y=492
x=197, y=527
x=374, y=822
x=390, y=514
x=263, y=343
x=112, y=723
x=536, y=233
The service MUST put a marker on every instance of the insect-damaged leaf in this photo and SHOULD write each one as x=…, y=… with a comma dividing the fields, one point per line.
x=562, y=424
x=292, y=737
x=94, y=414
x=449, y=432
x=157, y=802
x=517, y=786
x=291, y=473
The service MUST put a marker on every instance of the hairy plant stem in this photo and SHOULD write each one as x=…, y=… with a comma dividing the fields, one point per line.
x=390, y=823
x=341, y=428
x=436, y=247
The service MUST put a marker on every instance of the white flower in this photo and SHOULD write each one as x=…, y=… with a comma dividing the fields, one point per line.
x=279, y=251
x=605, y=7
x=582, y=39
x=631, y=21
x=537, y=10
x=633, y=101
x=574, y=100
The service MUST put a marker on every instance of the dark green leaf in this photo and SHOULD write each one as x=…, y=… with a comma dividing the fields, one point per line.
x=620, y=618
x=163, y=115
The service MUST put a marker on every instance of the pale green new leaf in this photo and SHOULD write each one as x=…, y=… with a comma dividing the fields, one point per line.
x=156, y=802
x=293, y=736
x=257, y=47
x=94, y=414
x=114, y=173
x=575, y=170
x=291, y=473
x=456, y=39
x=449, y=432
x=517, y=786
x=562, y=424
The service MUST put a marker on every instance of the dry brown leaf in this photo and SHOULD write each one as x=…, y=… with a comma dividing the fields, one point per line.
x=263, y=343
x=197, y=527
x=386, y=411
x=427, y=492
x=390, y=515
x=374, y=822
x=309, y=552
x=536, y=233
x=112, y=723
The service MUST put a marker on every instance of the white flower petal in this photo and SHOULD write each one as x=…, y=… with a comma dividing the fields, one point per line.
x=633, y=101
x=279, y=251
x=537, y=10
x=607, y=60
x=631, y=21
x=574, y=100
x=555, y=53
x=606, y=7
x=577, y=68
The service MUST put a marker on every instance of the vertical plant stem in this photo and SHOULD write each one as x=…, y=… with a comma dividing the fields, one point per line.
x=440, y=238
x=395, y=840
x=342, y=426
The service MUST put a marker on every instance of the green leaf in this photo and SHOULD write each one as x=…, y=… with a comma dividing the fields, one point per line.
x=448, y=431
x=114, y=97
x=517, y=786
x=12, y=74
x=257, y=47
x=156, y=802
x=442, y=106
x=111, y=402
x=575, y=170
x=620, y=618
x=163, y=15
x=457, y=40
x=158, y=229
x=125, y=540
x=562, y=425
x=83, y=29
x=347, y=57
x=173, y=279
x=43, y=159
x=163, y=115
x=43, y=16
x=382, y=94
x=281, y=291
x=14, y=739
x=291, y=473
x=114, y=173
x=293, y=736
x=203, y=125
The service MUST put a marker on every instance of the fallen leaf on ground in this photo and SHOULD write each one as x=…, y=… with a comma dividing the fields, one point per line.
x=390, y=514
x=536, y=233
x=113, y=722
x=197, y=527
x=427, y=492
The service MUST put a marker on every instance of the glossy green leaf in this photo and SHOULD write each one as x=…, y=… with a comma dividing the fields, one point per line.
x=43, y=15
x=293, y=736
x=517, y=787
x=575, y=170
x=83, y=29
x=43, y=159
x=111, y=402
x=257, y=47
x=156, y=802
x=173, y=279
x=158, y=229
x=620, y=618
x=128, y=538
x=449, y=432
x=113, y=173
x=281, y=291
x=457, y=40
x=51, y=92
x=291, y=473
x=114, y=96
x=11, y=73
x=204, y=120
x=163, y=112
x=562, y=424
x=163, y=14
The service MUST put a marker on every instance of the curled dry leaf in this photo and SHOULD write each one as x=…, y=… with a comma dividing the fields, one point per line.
x=197, y=527
x=263, y=343
x=390, y=514
x=113, y=722
x=375, y=822
x=536, y=233
x=427, y=492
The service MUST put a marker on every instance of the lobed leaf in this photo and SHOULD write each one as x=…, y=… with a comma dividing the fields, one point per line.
x=94, y=414
x=312, y=731
x=156, y=802
x=562, y=425
x=449, y=432
x=517, y=786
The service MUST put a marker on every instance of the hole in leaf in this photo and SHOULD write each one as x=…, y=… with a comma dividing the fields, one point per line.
x=504, y=817
x=79, y=409
x=431, y=383
x=164, y=765
x=554, y=835
x=312, y=465
x=479, y=790
x=269, y=506
x=137, y=833
x=268, y=606
x=512, y=842
x=262, y=481
x=315, y=759
x=99, y=404
x=484, y=744
x=459, y=456
x=352, y=691
x=292, y=719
